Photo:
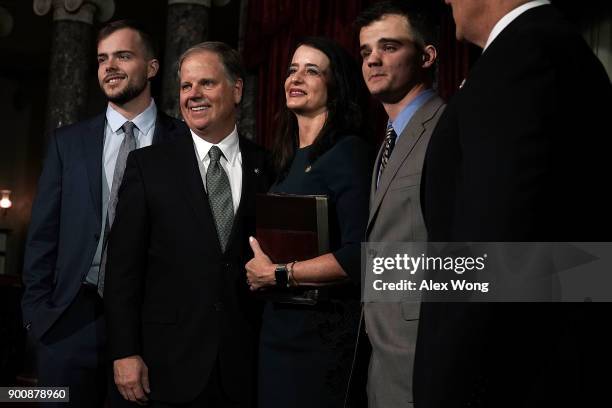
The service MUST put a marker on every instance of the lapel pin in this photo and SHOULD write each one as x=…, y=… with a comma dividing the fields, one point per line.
x=256, y=170
x=462, y=83
x=307, y=169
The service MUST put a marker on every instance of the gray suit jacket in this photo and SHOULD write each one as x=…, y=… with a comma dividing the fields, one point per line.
x=396, y=216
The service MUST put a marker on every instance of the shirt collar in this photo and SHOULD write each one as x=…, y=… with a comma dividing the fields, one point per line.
x=400, y=122
x=228, y=146
x=144, y=121
x=510, y=17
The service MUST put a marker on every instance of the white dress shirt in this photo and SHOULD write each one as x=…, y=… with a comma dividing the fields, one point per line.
x=231, y=161
x=113, y=135
x=508, y=18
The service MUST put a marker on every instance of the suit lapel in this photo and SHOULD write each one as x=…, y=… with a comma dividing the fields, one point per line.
x=185, y=163
x=93, y=146
x=375, y=174
x=406, y=142
x=249, y=175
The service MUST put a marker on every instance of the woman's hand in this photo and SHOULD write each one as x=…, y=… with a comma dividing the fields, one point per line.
x=260, y=270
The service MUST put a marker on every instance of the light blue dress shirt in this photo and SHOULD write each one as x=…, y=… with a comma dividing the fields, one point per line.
x=399, y=124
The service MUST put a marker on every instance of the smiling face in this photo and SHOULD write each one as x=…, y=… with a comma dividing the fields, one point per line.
x=124, y=68
x=208, y=97
x=306, y=83
x=391, y=63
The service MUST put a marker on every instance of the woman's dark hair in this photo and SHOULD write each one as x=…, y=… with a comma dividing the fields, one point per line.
x=345, y=101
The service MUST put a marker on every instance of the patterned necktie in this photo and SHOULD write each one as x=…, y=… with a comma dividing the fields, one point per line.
x=389, y=145
x=128, y=144
x=219, y=196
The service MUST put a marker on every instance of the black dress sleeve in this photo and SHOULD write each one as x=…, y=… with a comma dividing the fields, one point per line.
x=348, y=172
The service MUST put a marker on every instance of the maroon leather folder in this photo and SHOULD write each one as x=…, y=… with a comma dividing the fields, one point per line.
x=292, y=228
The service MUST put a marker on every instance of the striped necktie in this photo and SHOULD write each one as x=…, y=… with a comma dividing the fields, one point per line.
x=387, y=150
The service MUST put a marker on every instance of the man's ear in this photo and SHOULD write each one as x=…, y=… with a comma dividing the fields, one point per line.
x=430, y=54
x=238, y=86
x=152, y=68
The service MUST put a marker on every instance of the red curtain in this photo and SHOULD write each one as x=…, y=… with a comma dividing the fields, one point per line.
x=273, y=27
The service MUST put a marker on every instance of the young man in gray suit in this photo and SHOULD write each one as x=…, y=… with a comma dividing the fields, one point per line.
x=398, y=49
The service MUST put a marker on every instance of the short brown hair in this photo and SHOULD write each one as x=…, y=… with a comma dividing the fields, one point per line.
x=147, y=41
x=422, y=15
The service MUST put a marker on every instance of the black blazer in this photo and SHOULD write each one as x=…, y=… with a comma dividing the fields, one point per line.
x=171, y=295
x=520, y=154
x=66, y=218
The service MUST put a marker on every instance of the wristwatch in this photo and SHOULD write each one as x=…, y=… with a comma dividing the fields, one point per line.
x=281, y=275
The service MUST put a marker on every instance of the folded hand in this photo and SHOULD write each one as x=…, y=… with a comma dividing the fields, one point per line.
x=132, y=378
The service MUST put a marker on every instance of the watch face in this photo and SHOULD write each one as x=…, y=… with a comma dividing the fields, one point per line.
x=280, y=274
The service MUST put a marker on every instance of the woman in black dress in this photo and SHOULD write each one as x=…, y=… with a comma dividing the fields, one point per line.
x=306, y=352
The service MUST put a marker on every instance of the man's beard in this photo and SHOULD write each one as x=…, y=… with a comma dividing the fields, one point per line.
x=131, y=91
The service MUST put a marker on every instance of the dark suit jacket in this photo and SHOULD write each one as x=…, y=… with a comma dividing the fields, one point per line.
x=518, y=155
x=171, y=295
x=66, y=219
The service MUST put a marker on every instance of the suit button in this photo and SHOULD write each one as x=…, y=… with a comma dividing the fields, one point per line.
x=218, y=306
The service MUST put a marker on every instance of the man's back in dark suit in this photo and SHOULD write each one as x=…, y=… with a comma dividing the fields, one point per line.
x=517, y=156
x=531, y=123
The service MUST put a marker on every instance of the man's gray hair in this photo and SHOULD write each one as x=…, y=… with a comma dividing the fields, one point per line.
x=230, y=59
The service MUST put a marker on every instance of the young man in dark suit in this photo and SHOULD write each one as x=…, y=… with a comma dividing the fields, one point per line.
x=73, y=210
x=518, y=155
x=181, y=323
